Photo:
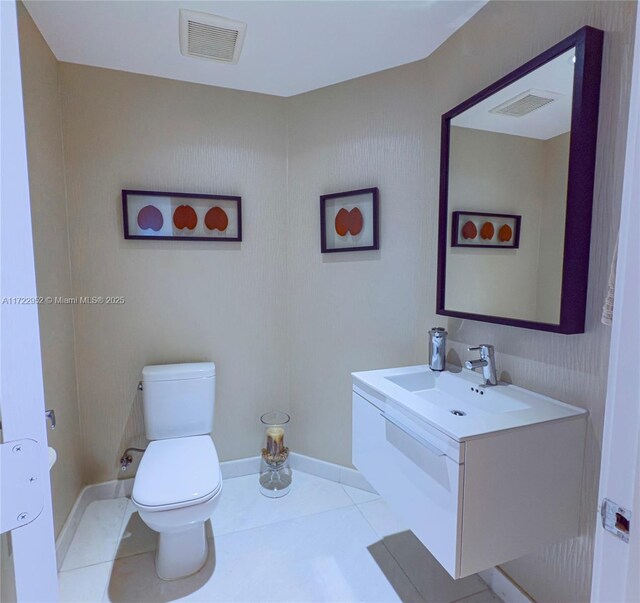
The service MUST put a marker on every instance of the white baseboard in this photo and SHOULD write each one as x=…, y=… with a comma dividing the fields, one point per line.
x=317, y=467
x=229, y=469
x=330, y=471
x=504, y=587
x=240, y=467
x=352, y=477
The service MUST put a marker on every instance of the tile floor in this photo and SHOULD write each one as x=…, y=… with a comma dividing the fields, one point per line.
x=322, y=542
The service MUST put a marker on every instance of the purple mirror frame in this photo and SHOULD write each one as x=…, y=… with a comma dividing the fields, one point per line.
x=588, y=43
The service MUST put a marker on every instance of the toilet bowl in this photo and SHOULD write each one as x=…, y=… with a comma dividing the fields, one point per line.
x=176, y=489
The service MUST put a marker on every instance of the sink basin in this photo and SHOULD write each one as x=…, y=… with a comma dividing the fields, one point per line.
x=414, y=382
x=440, y=392
x=458, y=404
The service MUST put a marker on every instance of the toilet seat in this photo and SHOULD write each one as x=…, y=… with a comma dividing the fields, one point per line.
x=176, y=473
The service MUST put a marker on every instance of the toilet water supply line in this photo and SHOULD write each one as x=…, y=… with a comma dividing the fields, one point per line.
x=126, y=459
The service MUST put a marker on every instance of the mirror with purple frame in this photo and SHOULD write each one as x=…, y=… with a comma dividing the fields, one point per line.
x=516, y=188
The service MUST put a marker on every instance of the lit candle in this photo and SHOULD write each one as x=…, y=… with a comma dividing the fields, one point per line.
x=275, y=441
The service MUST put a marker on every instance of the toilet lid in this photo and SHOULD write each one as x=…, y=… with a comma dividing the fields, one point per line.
x=177, y=472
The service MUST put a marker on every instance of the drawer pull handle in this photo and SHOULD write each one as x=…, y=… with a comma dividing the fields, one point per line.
x=412, y=434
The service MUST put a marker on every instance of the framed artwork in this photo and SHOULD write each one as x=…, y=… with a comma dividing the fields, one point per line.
x=477, y=229
x=349, y=221
x=183, y=216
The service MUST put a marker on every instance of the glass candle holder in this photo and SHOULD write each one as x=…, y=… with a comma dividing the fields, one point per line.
x=275, y=472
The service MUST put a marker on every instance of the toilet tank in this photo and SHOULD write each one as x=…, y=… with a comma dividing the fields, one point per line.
x=178, y=399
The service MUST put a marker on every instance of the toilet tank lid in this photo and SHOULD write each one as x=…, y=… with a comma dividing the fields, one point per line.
x=170, y=372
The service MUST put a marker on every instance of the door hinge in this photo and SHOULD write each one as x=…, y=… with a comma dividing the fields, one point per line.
x=615, y=519
x=22, y=497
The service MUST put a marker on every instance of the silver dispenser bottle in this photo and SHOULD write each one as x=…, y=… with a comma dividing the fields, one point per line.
x=437, y=348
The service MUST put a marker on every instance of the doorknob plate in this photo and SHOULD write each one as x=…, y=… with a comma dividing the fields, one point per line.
x=20, y=483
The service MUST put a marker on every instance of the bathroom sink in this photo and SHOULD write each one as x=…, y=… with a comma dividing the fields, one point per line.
x=440, y=392
x=463, y=465
x=458, y=404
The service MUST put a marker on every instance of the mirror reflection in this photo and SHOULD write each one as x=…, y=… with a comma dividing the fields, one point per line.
x=507, y=195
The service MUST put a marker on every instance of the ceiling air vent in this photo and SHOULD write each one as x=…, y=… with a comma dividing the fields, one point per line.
x=210, y=37
x=525, y=103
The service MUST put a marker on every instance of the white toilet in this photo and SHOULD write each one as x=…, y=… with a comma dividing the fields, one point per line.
x=178, y=483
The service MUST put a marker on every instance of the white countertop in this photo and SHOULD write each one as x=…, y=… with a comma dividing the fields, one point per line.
x=487, y=409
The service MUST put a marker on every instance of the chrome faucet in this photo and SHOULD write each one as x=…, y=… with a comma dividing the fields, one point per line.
x=486, y=361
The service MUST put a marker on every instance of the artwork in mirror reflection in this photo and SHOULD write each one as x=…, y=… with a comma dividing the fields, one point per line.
x=509, y=154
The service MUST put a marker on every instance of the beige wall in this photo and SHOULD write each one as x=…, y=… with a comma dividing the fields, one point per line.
x=7, y=577
x=373, y=309
x=184, y=301
x=51, y=246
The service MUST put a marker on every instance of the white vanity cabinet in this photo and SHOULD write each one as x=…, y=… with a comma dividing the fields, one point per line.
x=478, y=501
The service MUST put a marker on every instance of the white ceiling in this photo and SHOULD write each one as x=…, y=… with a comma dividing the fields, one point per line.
x=544, y=123
x=291, y=46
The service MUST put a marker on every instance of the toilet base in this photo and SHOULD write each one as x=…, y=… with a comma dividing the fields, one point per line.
x=181, y=554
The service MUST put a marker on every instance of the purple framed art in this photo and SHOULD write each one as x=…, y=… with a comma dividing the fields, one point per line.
x=349, y=221
x=181, y=216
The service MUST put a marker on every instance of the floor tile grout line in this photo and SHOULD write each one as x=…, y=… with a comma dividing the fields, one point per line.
x=388, y=551
x=273, y=523
x=113, y=561
x=116, y=558
x=115, y=553
x=125, y=516
x=344, y=509
x=486, y=588
x=345, y=486
x=347, y=493
x=468, y=597
x=74, y=569
x=76, y=533
x=351, y=504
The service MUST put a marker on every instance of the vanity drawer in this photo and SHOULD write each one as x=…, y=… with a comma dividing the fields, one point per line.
x=410, y=469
